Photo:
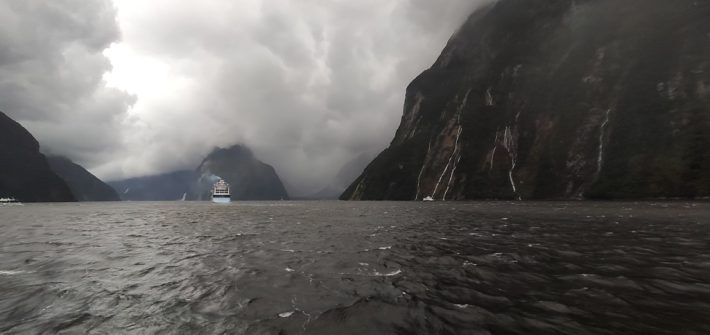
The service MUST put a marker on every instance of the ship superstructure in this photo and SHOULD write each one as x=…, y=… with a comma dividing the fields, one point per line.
x=220, y=192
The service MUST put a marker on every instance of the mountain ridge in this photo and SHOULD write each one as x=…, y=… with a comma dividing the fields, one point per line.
x=24, y=171
x=83, y=184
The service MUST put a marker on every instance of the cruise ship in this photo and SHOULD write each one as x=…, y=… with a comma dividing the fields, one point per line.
x=220, y=192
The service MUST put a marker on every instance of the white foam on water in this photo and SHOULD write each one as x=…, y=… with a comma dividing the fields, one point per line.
x=462, y=306
x=289, y=270
x=11, y=273
x=385, y=248
x=390, y=274
x=285, y=314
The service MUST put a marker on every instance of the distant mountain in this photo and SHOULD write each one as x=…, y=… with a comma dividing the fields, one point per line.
x=351, y=170
x=249, y=178
x=24, y=171
x=557, y=99
x=84, y=185
x=164, y=187
x=345, y=176
x=327, y=193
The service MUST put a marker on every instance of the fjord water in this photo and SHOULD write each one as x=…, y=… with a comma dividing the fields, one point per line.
x=356, y=268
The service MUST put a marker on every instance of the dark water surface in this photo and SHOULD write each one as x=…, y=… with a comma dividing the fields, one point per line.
x=355, y=268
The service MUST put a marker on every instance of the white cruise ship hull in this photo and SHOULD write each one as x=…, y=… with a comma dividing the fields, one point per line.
x=221, y=200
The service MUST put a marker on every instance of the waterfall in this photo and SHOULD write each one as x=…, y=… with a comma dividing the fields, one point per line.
x=451, y=178
x=489, y=98
x=602, y=131
x=459, y=110
x=509, y=144
x=495, y=146
x=421, y=171
x=443, y=173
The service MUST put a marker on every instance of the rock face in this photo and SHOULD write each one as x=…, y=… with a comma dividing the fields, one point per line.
x=84, y=185
x=249, y=178
x=165, y=187
x=24, y=171
x=552, y=99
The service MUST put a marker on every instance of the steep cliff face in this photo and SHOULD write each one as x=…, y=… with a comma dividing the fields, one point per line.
x=84, y=185
x=24, y=171
x=249, y=178
x=545, y=99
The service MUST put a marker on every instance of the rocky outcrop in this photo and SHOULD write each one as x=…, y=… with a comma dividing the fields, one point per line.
x=84, y=185
x=553, y=99
x=24, y=171
x=249, y=178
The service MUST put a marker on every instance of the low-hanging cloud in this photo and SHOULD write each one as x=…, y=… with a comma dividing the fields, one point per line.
x=308, y=85
x=51, y=68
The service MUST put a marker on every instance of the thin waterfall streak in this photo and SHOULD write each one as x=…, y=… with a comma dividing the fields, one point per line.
x=510, y=176
x=489, y=98
x=456, y=145
x=602, y=131
x=495, y=146
x=509, y=144
x=453, y=172
x=421, y=171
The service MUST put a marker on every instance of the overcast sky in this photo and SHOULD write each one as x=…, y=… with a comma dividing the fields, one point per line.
x=135, y=87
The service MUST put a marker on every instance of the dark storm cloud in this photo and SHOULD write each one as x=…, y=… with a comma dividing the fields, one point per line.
x=308, y=84
x=51, y=68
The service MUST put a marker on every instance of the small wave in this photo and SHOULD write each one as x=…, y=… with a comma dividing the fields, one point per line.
x=11, y=273
x=390, y=274
x=385, y=248
x=286, y=314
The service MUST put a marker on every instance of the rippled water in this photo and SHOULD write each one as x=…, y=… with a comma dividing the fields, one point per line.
x=356, y=268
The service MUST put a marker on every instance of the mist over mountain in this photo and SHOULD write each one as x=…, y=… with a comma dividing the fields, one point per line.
x=24, y=171
x=345, y=176
x=550, y=99
x=84, y=185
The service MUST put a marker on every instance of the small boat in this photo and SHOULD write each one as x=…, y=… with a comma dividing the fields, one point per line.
x=4, y=201
x=220, y=192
